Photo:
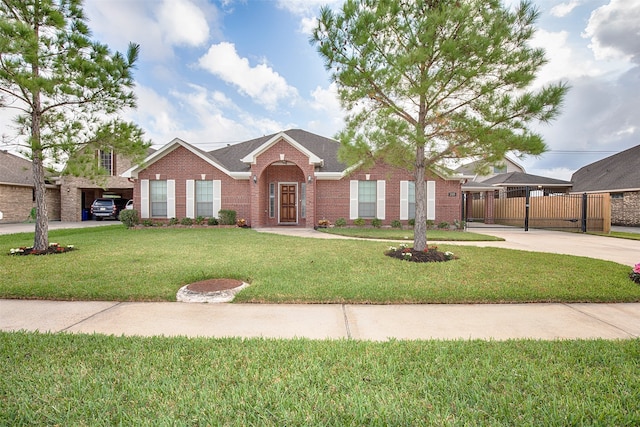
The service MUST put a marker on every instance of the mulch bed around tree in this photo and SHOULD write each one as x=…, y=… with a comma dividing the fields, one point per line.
x=213, y=285
x=52, y=249
x=430, y=255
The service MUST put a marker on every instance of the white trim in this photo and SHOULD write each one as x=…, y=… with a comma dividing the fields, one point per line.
x=381, y=195
x=404, y=200
x=144, y=198
x=431, y=200
x=353, y=199
x=191, y=198
x=217, y=197
x=328, y=176
x=171, y=198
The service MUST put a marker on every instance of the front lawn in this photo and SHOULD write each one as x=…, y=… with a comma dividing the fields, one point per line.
x=151, y=264
x=98, y=380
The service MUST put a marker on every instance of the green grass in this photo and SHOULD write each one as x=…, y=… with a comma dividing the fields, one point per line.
x=407, y=234
x=620, y=235
x=116, y=264
x=98, y=380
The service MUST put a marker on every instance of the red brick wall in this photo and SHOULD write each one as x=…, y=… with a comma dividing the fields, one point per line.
x=181, y=165
x=333, y=196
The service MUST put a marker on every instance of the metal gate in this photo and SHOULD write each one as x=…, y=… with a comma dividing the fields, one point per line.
x=526, y=207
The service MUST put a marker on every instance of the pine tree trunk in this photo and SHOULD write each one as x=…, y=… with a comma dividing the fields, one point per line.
x=420, y=227
x=41, y=237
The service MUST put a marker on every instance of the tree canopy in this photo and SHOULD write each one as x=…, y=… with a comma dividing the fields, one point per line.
x=66, y=90
x=425, y=81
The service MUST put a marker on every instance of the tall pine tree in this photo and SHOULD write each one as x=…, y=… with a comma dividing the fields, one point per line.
x=66, y=90
x=429, y=80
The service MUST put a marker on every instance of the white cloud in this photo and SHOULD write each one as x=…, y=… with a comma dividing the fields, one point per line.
x=261, y=83
x=614, y=30
x=565, y=61
x=327, y=105
x=183, y=23
x=157, y=26
x=563, y=9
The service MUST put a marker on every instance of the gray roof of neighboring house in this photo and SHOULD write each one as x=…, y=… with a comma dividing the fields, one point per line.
x=523, y=179
x=15, y=169
x=325, y=148
x=618, y=172
x=471, y=168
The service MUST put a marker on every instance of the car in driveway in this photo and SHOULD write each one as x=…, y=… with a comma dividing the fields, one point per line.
x=107, y=208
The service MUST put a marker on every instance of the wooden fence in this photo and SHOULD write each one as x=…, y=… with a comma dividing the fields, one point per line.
x=558, y=211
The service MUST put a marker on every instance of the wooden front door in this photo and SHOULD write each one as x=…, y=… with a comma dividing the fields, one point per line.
x=288, y=207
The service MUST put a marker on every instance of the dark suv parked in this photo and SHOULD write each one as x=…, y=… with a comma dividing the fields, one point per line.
x=107, y=208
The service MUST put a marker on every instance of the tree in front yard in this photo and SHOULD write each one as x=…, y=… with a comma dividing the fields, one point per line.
x=66, y=90
x=429, y=80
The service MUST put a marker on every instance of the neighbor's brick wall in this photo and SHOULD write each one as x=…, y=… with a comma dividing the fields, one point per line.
x=626, y=211
x=16, y=203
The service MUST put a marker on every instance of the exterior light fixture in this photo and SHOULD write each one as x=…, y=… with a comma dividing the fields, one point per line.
x=309, y=179
x=255, y=179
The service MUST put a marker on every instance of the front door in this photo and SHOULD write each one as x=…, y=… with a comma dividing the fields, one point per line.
x=288, y=210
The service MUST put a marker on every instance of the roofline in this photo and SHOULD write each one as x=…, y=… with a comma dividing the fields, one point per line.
x=251, y=158
x=19, y=184
x=620, y=190
x=166, y=149
x=516, y=184
x=329, y=176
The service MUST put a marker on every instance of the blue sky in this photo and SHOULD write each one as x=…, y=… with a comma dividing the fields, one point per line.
x=222, y=71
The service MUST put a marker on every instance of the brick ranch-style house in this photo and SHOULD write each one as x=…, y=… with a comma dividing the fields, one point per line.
x=292, y=177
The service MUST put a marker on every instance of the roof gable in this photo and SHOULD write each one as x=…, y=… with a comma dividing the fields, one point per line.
x=618, y=172
x=322, y=152
x=251, y=158
x=170, y=147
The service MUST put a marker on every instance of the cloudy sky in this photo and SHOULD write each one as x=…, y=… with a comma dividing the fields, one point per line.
x=222, y=71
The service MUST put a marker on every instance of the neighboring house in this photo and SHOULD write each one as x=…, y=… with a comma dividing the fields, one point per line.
x=289, y=178
x=618, y=175
x=470, y=169
x=79, y=193
x=17, y=192
x=513, y=184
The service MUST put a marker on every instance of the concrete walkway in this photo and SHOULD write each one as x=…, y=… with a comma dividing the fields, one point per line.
x=346, y=321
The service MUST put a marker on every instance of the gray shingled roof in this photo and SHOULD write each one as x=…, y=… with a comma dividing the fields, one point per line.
x=519, y=178
x=15, y=170
x=618, y=172
x=325, y=148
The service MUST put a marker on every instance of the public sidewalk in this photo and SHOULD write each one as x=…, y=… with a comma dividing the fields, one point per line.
x=326, y=321
x=347, y=321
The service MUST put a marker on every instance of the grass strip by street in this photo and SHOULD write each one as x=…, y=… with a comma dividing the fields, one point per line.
x=116, y=264
x=620, y=235
x=65, y=379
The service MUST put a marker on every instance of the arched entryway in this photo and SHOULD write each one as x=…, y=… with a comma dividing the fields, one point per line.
x=283, y=196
